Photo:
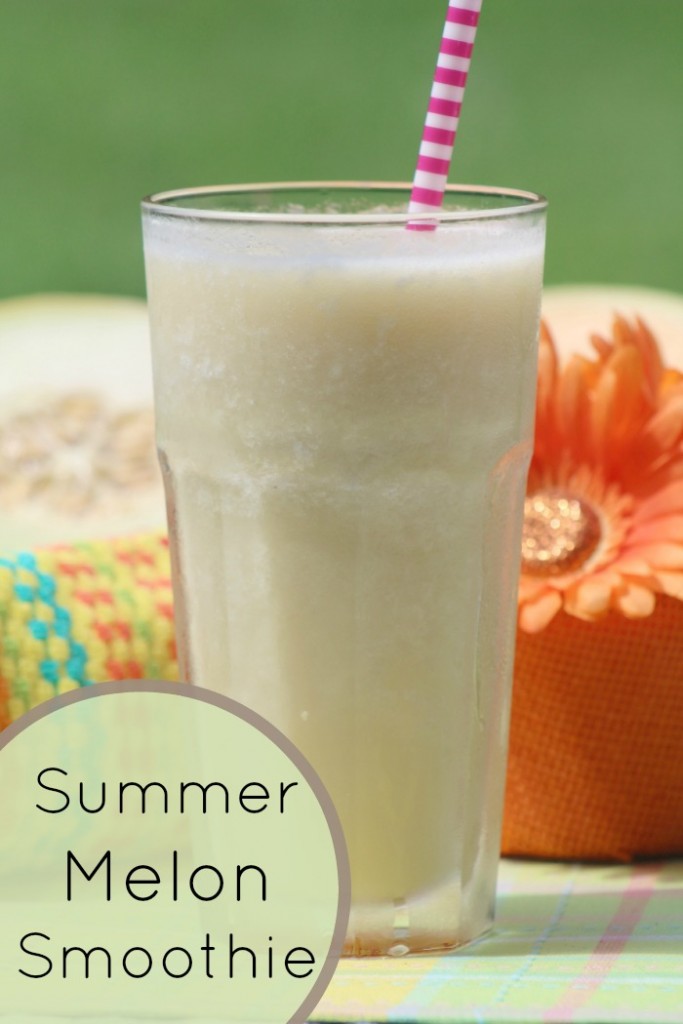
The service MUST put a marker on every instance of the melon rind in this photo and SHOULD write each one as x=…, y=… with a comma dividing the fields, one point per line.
x=575, y=311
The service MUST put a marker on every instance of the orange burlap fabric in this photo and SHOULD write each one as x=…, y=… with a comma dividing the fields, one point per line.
x=596, y=746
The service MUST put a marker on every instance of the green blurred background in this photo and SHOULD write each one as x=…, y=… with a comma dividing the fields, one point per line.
x=102, y=102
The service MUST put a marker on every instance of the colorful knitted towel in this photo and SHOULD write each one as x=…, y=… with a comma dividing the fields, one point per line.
x=82, y=614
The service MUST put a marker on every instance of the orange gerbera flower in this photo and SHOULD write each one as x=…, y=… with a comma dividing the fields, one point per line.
x=603, y=523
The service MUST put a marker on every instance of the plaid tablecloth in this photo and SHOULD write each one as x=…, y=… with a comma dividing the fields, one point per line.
x=572, y=943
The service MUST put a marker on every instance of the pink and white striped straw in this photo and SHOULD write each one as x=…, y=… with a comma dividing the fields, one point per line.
x=443, y=112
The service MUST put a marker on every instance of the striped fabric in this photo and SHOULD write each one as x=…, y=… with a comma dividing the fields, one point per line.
x=82, y=614
x=443, y=112
x=573, y=944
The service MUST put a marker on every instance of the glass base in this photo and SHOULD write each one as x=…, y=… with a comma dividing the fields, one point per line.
x=439, y=922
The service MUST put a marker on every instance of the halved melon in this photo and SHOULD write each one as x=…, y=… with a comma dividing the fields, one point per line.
x=77, y=455
x=574, y=312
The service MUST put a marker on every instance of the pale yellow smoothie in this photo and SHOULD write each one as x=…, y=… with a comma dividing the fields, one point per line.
x=344, y=418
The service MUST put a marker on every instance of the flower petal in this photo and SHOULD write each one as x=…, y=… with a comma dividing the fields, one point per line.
x=654, y=531
x=589, y=598
x=670, y=380
x=663, y=503
x=547, y=366
x=659, y=476
x=531, y=587
x=652, y=357
x=619, y=409
x=632, y=563
x=573, y=409
x=602, y=346
x=665, y=428
x=639, y=338
x=535, y=616
x=659, y=556
x=545, y=430
x=636, y=601
x=671, y=583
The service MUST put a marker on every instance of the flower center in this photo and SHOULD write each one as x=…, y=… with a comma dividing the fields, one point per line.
x=560, y=533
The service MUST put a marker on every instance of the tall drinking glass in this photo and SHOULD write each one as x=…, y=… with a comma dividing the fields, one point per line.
x=344, y=421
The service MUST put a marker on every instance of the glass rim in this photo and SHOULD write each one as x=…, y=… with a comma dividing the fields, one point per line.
x=161, y=203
